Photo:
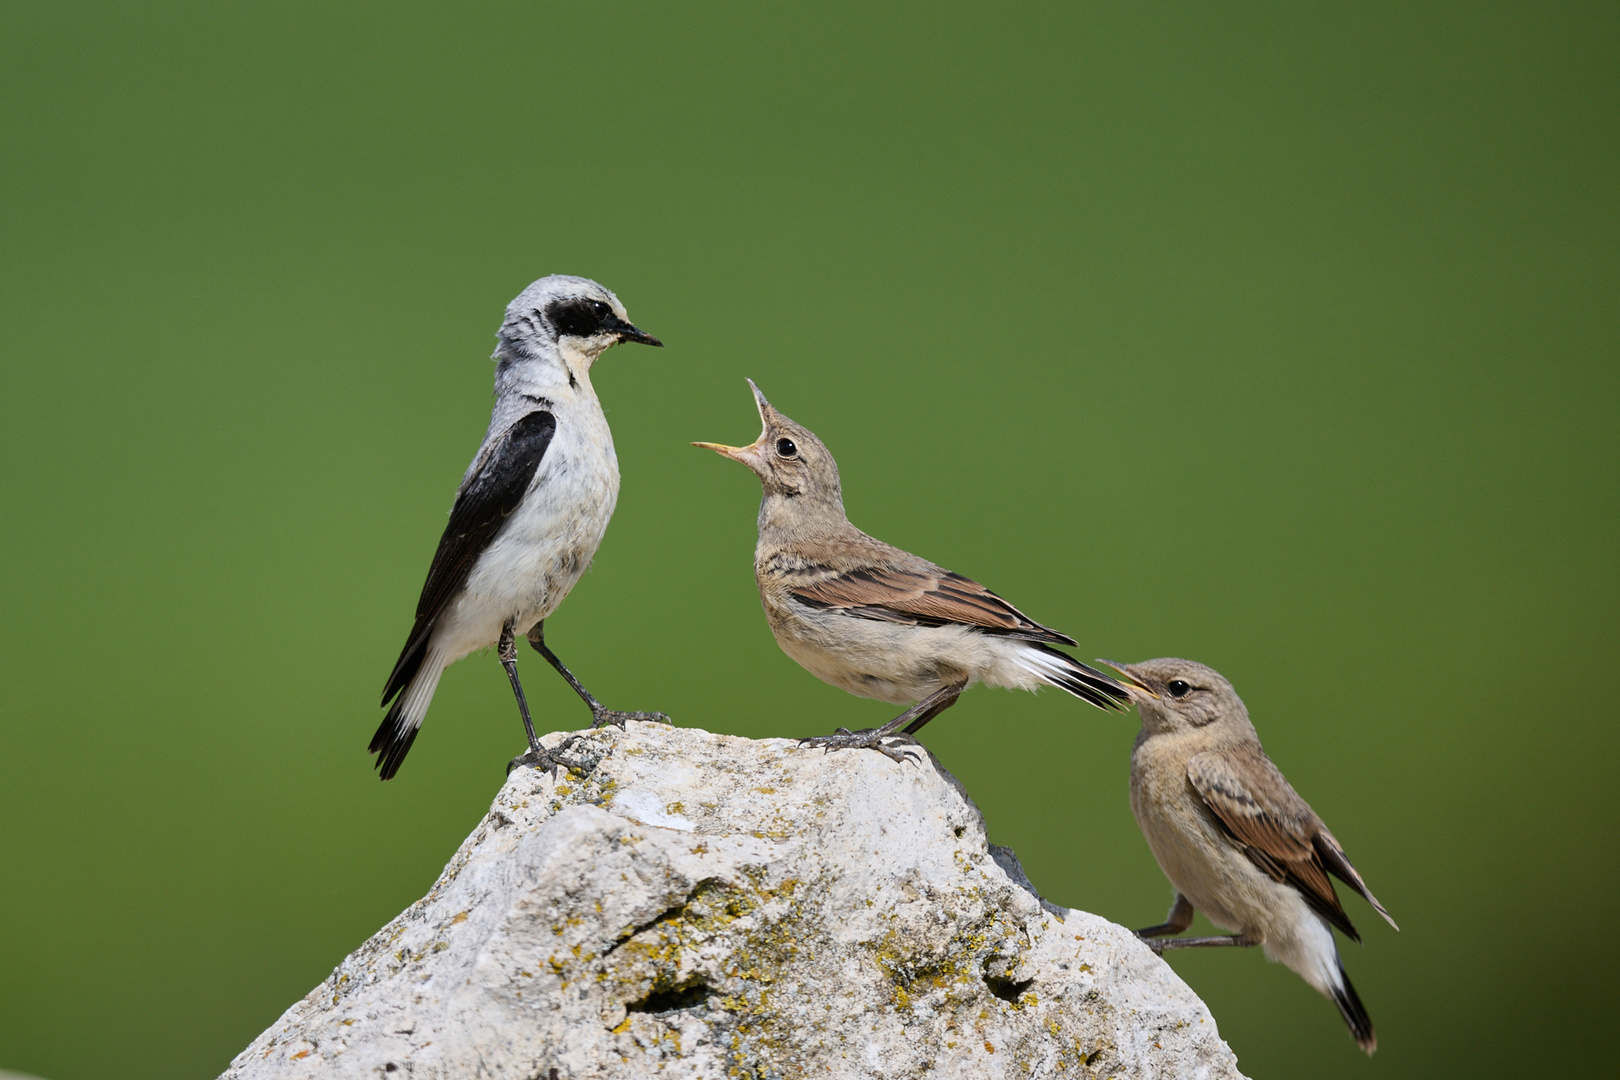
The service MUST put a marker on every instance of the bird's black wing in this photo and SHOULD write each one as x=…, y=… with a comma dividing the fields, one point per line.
x=486, y=499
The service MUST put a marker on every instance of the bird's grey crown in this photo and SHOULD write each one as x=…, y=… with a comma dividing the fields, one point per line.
x=529, y=330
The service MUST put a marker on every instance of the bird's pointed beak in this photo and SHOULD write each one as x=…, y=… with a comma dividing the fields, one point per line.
x=765, y=408
x=627, y=332
x=752, y=455
x=1131, y=682
x=745, y=454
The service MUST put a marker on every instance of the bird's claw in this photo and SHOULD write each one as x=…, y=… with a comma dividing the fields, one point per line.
x=1156, y=944
x=547, y=759
x=541, y=761
x=867, y=739
x=604, y=717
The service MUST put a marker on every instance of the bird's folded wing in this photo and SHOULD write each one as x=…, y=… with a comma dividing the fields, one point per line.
x=926, y=597
x=1338, y=864
x=1275, y=827
x=487, y=498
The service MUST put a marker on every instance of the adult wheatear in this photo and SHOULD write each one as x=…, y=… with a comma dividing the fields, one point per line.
x=530, y=512
x=1236, y=841
x=877, y=621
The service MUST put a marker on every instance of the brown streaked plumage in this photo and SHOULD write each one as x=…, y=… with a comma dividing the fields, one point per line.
x=917, y=597
x=877, y=621
x=1233, y=836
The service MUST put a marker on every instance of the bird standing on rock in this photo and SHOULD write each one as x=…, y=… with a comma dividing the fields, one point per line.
x=877, y=621
x=530, y=512
x=1236, y=841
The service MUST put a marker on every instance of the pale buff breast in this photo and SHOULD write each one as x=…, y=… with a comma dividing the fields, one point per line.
x=1190, y=846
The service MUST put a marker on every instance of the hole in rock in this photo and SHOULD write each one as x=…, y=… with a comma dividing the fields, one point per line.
x=1007, y=989
x=673, y=999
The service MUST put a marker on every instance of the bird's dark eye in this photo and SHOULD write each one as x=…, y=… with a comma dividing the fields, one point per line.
x=599, y=309
x=1177, y=688
x=785, y=448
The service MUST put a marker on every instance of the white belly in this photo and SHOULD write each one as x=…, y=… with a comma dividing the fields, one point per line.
x=890, y=661
x=548, y=542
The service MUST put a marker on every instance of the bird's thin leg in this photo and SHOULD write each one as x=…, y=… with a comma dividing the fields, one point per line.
x=506, y=649
x=600, y=714
x=1180, y=917
x=947, y=697
x=872, y=738
x=1162, y=944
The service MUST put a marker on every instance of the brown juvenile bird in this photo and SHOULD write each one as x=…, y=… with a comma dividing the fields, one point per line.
x=877, y=621
x=1233, y=837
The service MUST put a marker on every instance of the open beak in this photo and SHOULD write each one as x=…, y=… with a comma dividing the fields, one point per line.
x=626, y=332
x=749, y=455
x=760, y=402
x=723, y=450
x=1131, y=681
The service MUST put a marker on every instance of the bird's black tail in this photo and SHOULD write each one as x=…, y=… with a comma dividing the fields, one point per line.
x=393, y=741
x=1063, y=671
x=1354, y=1013
x=412, y=695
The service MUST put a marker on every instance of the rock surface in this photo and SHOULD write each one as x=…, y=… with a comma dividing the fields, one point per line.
x=682, y=904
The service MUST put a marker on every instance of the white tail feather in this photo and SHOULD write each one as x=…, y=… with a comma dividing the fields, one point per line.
x=419, y=695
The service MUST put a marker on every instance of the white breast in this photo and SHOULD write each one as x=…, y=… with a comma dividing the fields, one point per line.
x=549, y=541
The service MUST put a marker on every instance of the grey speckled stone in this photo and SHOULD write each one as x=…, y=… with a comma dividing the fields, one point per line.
x=682, y=904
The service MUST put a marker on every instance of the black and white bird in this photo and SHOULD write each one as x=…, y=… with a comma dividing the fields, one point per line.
x=530, y=512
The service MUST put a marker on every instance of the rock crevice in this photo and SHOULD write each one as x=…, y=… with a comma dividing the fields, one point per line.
x=685, y=904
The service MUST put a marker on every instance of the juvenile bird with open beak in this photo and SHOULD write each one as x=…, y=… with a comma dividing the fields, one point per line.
x=1236, y=841
x=877, y=621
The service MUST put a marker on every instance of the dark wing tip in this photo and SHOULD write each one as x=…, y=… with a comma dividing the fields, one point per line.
x=1338, y=864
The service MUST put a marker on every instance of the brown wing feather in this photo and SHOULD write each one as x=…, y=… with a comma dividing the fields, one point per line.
x=920, y=597
x=1276, y=828
x=1337, y=863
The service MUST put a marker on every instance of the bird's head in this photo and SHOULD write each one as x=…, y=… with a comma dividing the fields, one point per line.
x=1176, y=695
x=787, y=457
x=573, y=316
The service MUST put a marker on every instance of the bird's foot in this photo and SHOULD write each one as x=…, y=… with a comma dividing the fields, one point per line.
x=1156, y=944
x=556, y=757
x=604, y=717
x=902, y=749
x=533, y=756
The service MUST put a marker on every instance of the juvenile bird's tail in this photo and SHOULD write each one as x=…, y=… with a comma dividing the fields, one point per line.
x=1063, y=671
x=393, y=739
x=1354, y=1013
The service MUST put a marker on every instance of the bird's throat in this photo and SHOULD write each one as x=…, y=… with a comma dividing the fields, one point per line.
x=786, y=518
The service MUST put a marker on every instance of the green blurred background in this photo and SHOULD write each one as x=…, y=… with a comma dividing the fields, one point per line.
x=1281, y=339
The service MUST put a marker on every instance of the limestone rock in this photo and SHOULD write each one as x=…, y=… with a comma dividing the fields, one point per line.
x=689, y=905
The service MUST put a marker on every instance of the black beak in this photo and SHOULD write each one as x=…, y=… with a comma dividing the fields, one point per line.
x=626, y=332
